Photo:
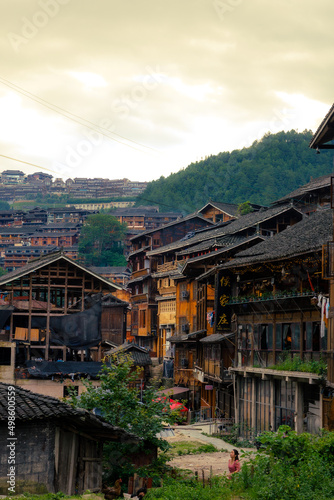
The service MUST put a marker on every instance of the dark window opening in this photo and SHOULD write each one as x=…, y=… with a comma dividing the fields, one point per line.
x=5, y=356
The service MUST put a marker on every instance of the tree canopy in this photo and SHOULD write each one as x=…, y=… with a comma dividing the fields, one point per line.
x=123, y=404
x=262, y=173
x=101, y=241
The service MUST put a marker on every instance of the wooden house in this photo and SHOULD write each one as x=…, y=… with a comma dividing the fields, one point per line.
x=309, y=197
x=219, y=212
x=323, y=140
x=143, y=286
x=209, y=356
x=52, y=311
x=52, y=447
x=278, y=300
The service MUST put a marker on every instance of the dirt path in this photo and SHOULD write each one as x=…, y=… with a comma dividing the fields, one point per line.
x=204, y=461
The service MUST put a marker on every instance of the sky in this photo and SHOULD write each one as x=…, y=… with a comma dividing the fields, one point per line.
x=140, y=89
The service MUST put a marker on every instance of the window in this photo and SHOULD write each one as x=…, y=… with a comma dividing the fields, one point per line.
x=312, y=336
x=265, y=337
x=284, y=403
x=142, y=321
x=295, y=341
x=5, y=356
x=278, y=344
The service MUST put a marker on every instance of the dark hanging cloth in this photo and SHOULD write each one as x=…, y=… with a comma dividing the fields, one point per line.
x=5, y=312
x=77, y=330
x=168, y=368
x=69, y=368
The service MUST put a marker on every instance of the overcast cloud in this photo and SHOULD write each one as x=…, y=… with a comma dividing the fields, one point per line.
x=167, y=82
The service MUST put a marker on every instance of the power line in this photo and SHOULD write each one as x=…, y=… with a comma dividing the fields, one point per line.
x=75, y=118
x=27, y=163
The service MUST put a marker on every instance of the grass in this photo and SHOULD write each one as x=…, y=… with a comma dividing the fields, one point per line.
x=58, y=496
x=189, y=448
x=296, y=364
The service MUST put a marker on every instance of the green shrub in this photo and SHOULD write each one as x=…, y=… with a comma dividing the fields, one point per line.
x=289, y=466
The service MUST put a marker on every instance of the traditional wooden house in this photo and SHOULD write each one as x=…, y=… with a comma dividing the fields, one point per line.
x=144, y=288
x=223, y=212
x=323, y=140
x=219, y=212
x=278, y=300
x=52, y=446
x=51, y=323
x=309, y=197
x=208, y=357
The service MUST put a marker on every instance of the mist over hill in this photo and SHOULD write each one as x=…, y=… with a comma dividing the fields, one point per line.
x=262, y=173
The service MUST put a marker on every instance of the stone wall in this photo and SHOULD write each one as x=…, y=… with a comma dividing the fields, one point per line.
x=34, y=457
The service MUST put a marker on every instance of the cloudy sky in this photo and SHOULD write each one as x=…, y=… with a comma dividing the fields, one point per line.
x=141, y=88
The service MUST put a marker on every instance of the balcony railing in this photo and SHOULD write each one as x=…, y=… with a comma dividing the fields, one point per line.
x=270, y=296
x=167, y=266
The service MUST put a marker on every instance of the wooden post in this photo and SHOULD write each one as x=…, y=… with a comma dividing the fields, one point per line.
x=47, y=333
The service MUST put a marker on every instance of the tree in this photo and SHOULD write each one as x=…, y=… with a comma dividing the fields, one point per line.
x=4, y=205
x=101, y=241
x=124, y=405
x=245, y=208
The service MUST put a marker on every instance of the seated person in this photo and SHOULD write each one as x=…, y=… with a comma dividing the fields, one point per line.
x=233, y=463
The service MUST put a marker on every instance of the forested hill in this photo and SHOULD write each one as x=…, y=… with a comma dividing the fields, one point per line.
x=261, y=173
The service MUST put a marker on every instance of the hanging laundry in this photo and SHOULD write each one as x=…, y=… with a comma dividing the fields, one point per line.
x=323, y=317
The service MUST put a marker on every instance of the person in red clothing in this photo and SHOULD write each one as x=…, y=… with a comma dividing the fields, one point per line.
x=233, y=463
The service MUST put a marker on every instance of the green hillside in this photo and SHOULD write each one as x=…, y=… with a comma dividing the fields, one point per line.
x=261, y=173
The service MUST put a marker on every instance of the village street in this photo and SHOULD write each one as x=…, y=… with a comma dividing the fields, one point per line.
x=216, y=461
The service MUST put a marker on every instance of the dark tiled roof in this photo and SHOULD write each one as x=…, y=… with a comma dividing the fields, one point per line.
x=216, y=337
x=31, y=406
x=139, y=354
x=305, y=236
x=43, y=261
x=246, y=221
x=17, y=230
x=255, y=239
x=223, y=242
x=180, y=220
x=315, y=184
x=139, y=251
x=228, y=208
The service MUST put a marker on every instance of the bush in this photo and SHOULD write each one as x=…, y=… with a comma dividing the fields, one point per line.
x=290, y=466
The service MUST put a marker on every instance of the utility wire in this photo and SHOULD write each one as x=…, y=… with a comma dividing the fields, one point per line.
x=27, y=163
x=76, y=118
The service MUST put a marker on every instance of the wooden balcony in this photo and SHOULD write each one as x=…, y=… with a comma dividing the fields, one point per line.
x=167, y=266
x=212, y=368
x=139, y=273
